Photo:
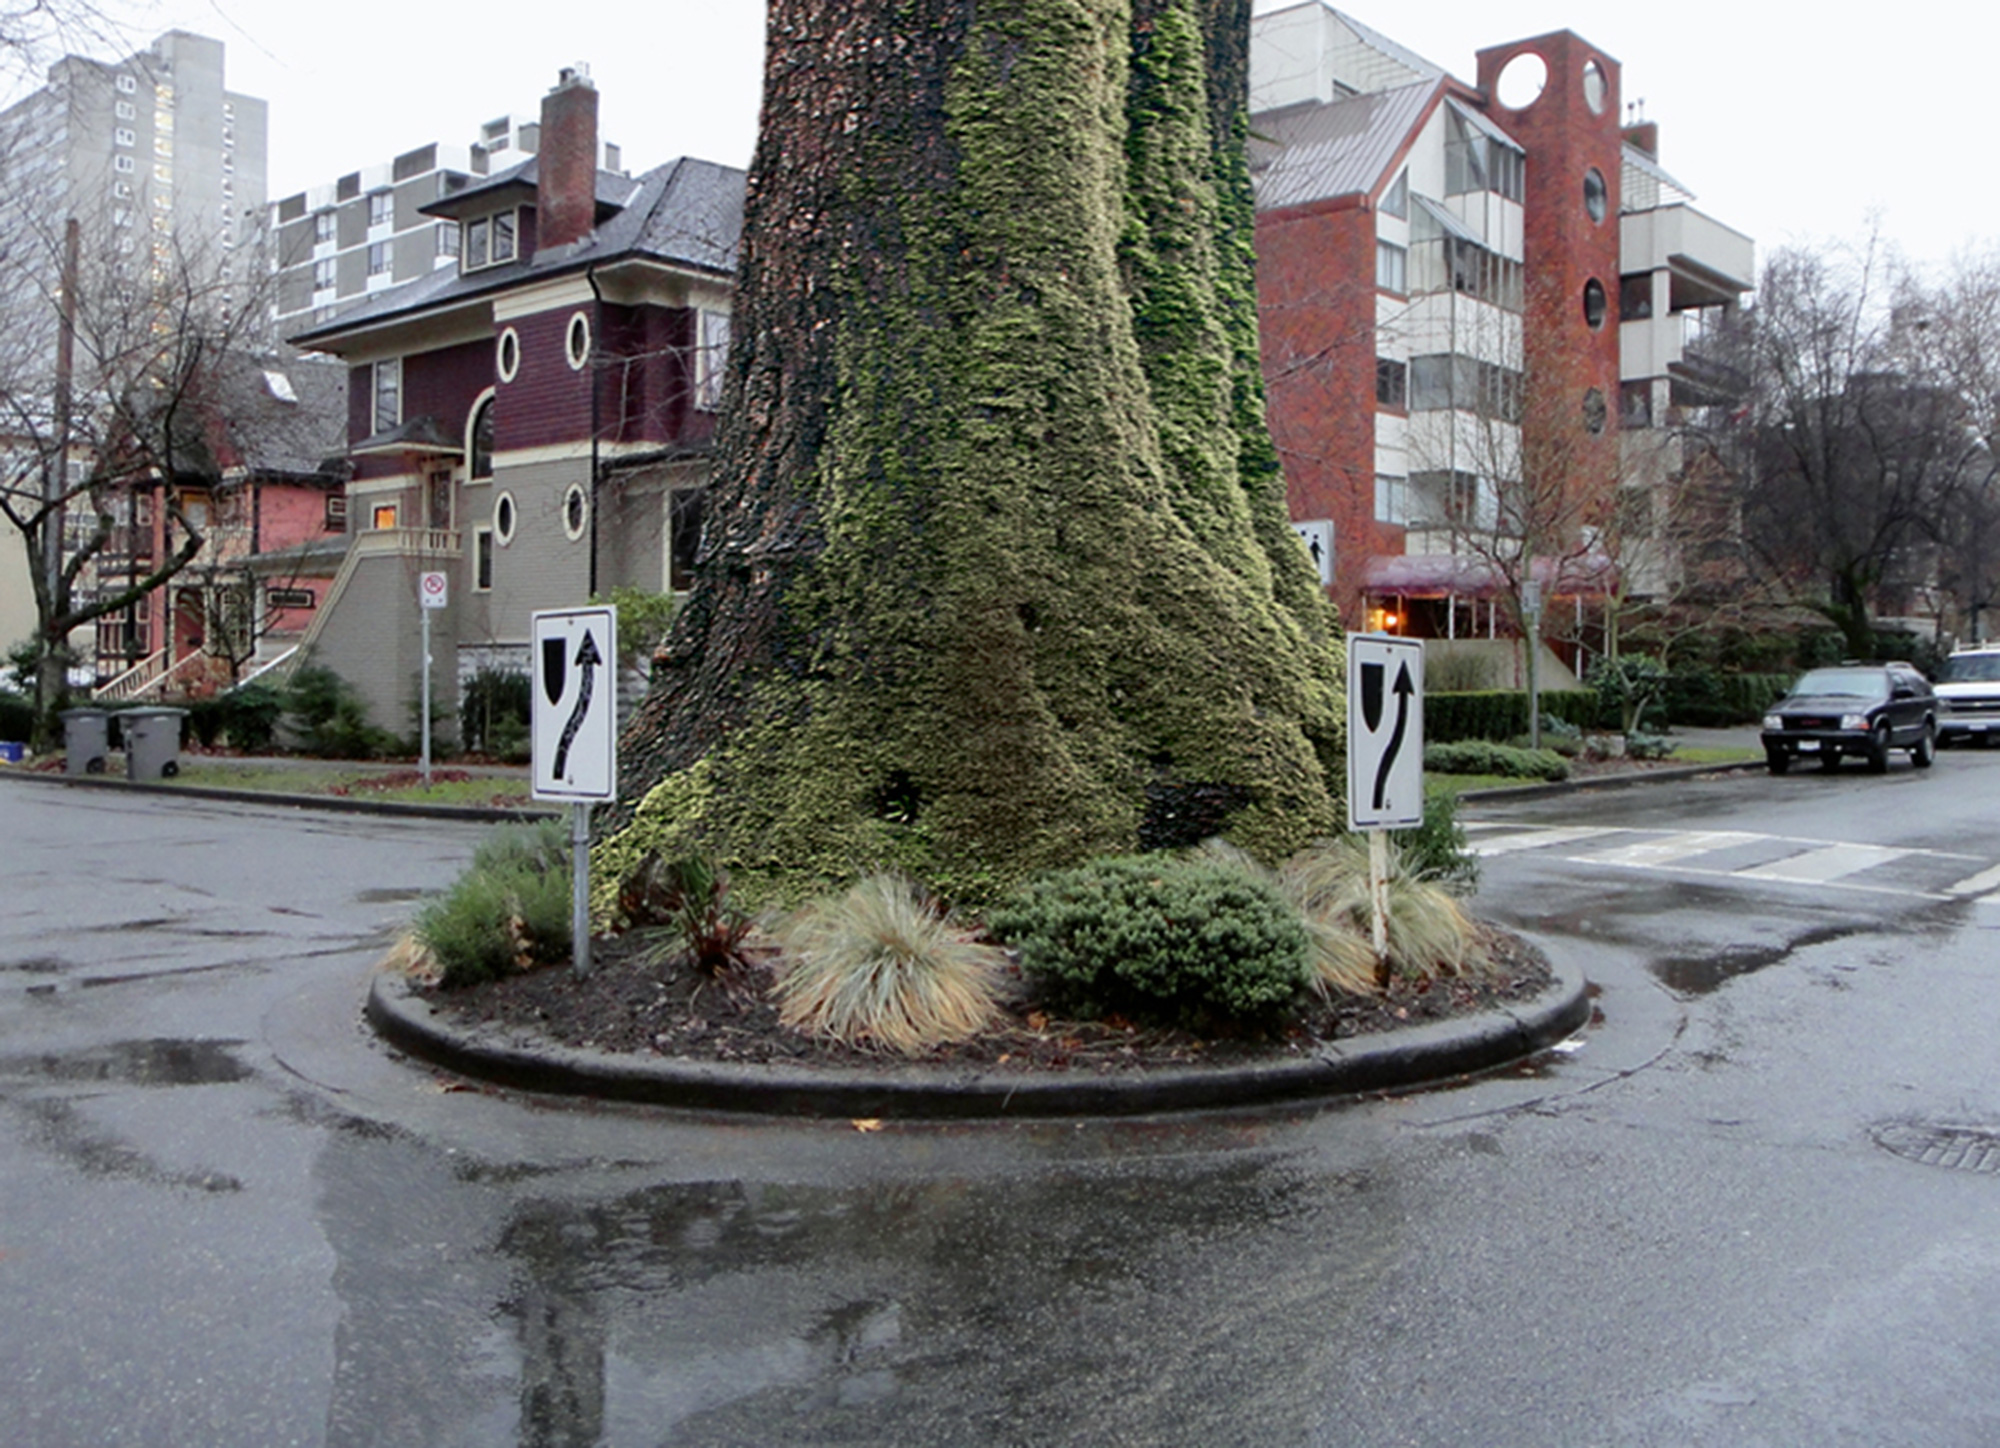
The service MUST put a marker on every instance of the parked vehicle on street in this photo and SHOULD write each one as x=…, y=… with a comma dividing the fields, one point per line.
x=1865, y=710
x=1968, y=696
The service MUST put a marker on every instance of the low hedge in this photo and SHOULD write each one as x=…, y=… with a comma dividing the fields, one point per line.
x=1707, y=698
x=1483, y=756
x=1497, y=714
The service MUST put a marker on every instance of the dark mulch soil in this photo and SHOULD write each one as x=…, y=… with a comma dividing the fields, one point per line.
x=630, y=1003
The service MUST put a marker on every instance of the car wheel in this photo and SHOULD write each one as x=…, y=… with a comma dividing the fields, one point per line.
x=1777, y=761
x=1925, y=749
x=1878, y=749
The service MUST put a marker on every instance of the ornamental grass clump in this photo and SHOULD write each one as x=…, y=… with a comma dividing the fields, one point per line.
x=882, y=966
x=510, y=911
x=1429, y=933
x=1188, y=942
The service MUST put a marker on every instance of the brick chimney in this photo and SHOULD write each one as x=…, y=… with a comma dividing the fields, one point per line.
x=566, y=165
x=1645, y=136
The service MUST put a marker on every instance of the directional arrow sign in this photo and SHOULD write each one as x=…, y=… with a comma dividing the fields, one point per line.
x=573, y=721
x=1385, y=732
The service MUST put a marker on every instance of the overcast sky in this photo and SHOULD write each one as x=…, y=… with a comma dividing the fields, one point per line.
x=1790, y=122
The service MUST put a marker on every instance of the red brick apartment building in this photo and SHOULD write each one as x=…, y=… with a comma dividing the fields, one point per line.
x=1463, y=285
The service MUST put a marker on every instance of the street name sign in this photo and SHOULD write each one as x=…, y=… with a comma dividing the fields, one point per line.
x=1385, y=732
x=573, y=714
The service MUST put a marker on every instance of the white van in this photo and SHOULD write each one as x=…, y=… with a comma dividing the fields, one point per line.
x=1968, y=695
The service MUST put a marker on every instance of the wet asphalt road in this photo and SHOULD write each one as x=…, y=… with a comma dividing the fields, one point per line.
x=1750, y=1206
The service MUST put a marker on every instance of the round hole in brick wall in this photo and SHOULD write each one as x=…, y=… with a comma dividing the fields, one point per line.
x=1593, y=303
x=1596, y=89
x=1522, y=81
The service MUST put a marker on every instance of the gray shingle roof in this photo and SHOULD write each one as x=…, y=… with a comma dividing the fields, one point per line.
x=687, y=213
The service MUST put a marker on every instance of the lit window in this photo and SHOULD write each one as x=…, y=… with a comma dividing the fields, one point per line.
x=385, y=516
x=388, y=393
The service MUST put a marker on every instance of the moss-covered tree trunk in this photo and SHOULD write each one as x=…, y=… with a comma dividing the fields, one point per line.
x=996, y=572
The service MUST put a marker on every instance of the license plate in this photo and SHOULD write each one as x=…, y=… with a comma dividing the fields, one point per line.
x=1808, y=746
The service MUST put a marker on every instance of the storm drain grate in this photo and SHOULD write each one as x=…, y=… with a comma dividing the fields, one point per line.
x=1957, y=1148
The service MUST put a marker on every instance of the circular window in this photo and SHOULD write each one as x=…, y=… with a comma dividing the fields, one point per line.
x=578, y=341
x=503, y=519
x=508, y=355
x=576, y=511
x=1593, y=303
x=1522, y=81
x=1595, y=413
x=1596, y=90
x=1596, y=195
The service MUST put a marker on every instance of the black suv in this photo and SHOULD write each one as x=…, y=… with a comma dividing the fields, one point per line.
x=1864, y=709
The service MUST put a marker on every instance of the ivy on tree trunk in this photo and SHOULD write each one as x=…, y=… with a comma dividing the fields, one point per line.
x=996, y=572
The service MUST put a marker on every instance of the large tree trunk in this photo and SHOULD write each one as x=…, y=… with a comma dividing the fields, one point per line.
x=996, y=572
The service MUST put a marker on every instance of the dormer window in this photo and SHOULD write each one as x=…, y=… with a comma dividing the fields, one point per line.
x=489, y=241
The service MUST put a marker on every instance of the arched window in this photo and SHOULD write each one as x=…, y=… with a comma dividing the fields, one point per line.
x=479, y=444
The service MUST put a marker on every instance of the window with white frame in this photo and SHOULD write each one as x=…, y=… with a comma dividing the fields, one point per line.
x=323, y=227
x=378, y=258
x=381, y=208
x=488, y=241
x=1392, y=499
x=326, y=274
x=447, y=238
x=388, y=393
x=1392, y=268
x=503, y=237
x=482, y=559
x=711, y=357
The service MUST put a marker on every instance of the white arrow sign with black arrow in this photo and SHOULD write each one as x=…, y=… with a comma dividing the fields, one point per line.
x=1385, y=732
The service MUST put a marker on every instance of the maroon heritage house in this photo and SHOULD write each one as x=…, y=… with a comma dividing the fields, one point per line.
x=536, y=422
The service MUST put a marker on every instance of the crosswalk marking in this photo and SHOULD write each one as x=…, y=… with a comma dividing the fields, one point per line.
x=1538, y=839
x=1984, y=883
x=1670, y=848
x=1798, y=862
x=1818, y=867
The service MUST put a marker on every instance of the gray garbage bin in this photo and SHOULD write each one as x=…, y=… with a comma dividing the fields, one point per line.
x=86, y=740
x=152, y=742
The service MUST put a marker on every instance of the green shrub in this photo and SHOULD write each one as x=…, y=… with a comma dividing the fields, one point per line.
x=330, y=718
x=1626, y=686
x=250, y=715
x=1479, y=756
x=493, y=713
x=1641, y=745
x=881, y=965
x=1156, y=938
x=509, y=911
x=1436, y=850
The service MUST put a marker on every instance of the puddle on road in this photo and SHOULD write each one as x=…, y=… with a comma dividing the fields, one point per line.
x=389, y=895
x=1700, y=974
x=137, y=1063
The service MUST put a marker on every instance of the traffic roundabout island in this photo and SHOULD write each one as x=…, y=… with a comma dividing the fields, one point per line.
x=416, y=1019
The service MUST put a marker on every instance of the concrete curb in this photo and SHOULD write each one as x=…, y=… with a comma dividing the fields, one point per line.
x=1614, y=781
x=337, y=804
x=1401, y=1060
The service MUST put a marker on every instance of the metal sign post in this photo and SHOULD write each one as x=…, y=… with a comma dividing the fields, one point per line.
x=573, y=733
x=433, y=592
x=1385, y=756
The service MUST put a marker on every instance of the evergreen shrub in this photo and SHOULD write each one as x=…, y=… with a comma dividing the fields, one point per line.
x=17, y=717
x=330, y=717
x=1437, y=850
x=493, y=714
x=1151, y=937
x=1482, y=756
x=509, y=911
